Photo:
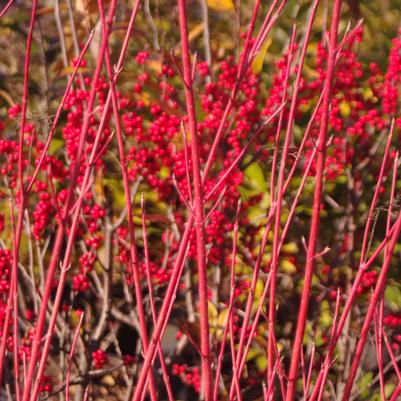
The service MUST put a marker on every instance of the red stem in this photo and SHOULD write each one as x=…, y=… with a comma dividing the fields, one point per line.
x=280, y=188
x=17, y=233
x=58, y=114
x=70, y=356
x=75, y=168
x=243, y=352
x=372, y=306
x=6, y=7
x=179, y=262
x=230, y=307
x=133, y=251
x=152, y=301
x=378, y=318
x=361, y=271
x=197, y=205
x=317, y=201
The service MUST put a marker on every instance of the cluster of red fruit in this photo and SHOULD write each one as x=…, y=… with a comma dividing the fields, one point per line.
x=189, y=375
x=159, y=158
x=99, y=358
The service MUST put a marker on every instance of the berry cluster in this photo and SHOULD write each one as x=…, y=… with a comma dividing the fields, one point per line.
x=99, y=358
x=157, y=141
x=188, y=375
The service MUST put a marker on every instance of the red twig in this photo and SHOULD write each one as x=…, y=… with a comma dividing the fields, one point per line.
x=364, y=265
x=197, y=206
x=131, y=228
x=230, y=306
x=6, y=7
x=152, y=300
x=379, y=288
x=71, y=355
x=58, y=114
x=378, y=318
x=179, y=261
x=317, y=200
x=75, y=168
x=241, y=351
x=280, y=188
x=17, y=233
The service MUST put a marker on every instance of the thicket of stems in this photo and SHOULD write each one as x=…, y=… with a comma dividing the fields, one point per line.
x=281, y=382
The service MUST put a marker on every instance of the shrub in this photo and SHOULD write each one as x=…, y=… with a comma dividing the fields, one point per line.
x=180, y=225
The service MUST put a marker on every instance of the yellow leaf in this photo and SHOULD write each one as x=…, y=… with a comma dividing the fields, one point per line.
x=221, y=5
x=291, y=248
x=221, y=323
x=213, y=313
x=260, y=57
x=75, y=316
x=287, y=267
x=164, y=172
x=345, y=109
x=155, y=65
x=217, y=320
x=260, y=285
x=369, y=95
x=253, y=353
x=325, y=318
x=70, y=69
x=196, y=31
x=261, y=363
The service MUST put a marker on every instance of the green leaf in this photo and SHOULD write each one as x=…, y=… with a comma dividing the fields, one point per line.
x=254, y=174
x=55, y=145
x=117, y=191
x=392, y=295
x=364, y=384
